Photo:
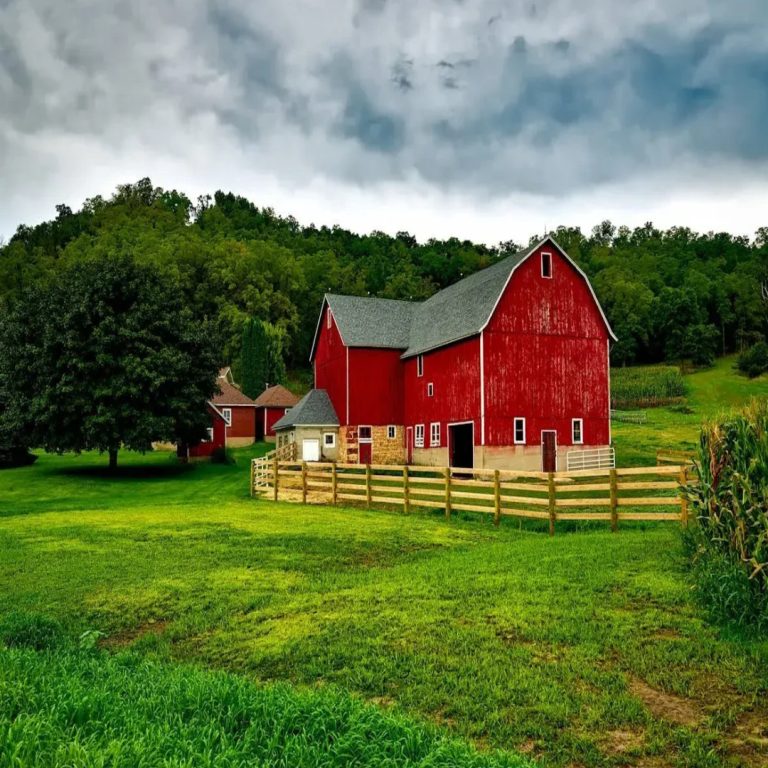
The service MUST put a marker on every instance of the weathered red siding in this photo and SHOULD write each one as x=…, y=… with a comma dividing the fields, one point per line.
x=375, y=387
x=207, y=447
x=454, y=372
x=266, y=417
x=330, y=364
x=243, y=421
x=546, y=357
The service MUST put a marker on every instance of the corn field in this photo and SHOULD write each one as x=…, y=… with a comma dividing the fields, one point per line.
x=730, y=505
x=646, y=386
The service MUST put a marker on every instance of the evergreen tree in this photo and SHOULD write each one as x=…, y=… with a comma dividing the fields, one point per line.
x=254, y=358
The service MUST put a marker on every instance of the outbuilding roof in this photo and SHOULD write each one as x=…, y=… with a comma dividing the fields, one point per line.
x=229, y=394
x=276, y=397
x=314, y=409
x=457, y=312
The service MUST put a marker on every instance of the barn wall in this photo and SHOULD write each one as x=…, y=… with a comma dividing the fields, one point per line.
x=455, y=373
x=330, y=366
x=266, y=419
x=207, y=447
x=242, y=430
x=546, y=358
x=375, y=387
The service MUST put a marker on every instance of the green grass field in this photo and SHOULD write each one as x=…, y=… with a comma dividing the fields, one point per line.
x=710, y=392
x=240, y=632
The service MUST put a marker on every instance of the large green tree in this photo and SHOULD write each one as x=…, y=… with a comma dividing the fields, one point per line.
x=104, y=356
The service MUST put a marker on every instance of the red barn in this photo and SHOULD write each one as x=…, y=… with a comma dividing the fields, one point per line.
x=271, y=405
x=217, y=438
x=507, y=368
x=238, y=409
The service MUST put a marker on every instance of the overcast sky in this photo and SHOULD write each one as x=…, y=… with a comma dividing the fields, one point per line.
x=483, y=119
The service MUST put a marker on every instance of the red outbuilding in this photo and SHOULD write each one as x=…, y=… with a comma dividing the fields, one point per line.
x=271, y=405
x=238, y=409
x=507, y=368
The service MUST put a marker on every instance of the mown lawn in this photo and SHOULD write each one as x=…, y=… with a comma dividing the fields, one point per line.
x=585, y=649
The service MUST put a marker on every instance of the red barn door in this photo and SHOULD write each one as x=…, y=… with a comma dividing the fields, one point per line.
x=365, y=453
x=549, y=451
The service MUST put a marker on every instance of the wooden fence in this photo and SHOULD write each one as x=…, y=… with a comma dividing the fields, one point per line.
x=612, y=495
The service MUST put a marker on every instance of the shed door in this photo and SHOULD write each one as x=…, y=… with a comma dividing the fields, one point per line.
x=310, y=450
x=549, y=451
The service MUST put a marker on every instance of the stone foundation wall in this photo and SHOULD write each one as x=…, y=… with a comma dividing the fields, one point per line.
x=384, y=450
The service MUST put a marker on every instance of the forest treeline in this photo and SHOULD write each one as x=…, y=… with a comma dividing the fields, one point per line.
x=669, y=295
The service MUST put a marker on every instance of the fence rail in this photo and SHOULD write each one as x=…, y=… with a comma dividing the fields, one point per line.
x=611, y=495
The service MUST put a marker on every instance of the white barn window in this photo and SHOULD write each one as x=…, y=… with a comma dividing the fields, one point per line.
x=577, y=431
x=419, y=365
x=519, y=431
x=329, y=439
x=434, y=434
x=430, y=389
x=419, y=437
x=227, y=414
x=391, y=432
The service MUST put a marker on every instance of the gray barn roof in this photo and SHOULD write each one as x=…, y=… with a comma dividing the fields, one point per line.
x=314, y=409
x=368, y=322
x=461, y=309
x=457, y=312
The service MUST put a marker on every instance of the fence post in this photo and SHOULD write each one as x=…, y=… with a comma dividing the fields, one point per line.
x=683, y=499
x=253, y=475
x=303, y=482
x=334, y=487
x=368, y=486
x=614, y=501
x=448, y=492
x=496, y=499
x=406, y=493
x=275, y=476
x=552, y=502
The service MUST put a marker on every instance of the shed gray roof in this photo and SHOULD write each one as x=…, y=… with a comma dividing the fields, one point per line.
x=315, y=409
x=457, y=312
x=369, y=322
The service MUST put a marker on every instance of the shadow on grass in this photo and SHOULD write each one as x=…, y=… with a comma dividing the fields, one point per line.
x=127, y=472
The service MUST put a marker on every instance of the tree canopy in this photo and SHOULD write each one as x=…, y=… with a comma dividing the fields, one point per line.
x=668, y=293
x=105, y=353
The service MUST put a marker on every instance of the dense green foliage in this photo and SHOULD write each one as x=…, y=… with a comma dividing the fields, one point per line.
x=730, y=500
x=646, y=386
x=754, y=361
x=105, y=355
x=668, y=294
x=261, y=362
x=61, y=710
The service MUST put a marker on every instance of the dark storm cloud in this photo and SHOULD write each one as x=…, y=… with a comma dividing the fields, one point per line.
x=491, y=97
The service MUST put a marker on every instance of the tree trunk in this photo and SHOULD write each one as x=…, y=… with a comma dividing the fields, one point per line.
x=113, y=458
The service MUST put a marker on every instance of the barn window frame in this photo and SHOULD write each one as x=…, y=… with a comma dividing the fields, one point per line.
x=519, y=421
x=364, y=433
x=434, y=434
x=391, y=432
x=329, y=443
x=546, y=265
x=430, y=389
x=226, y=414
x=577, y=423
x=419, y=365
x=209, y=439
x=418, y=436
x=328, y=318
